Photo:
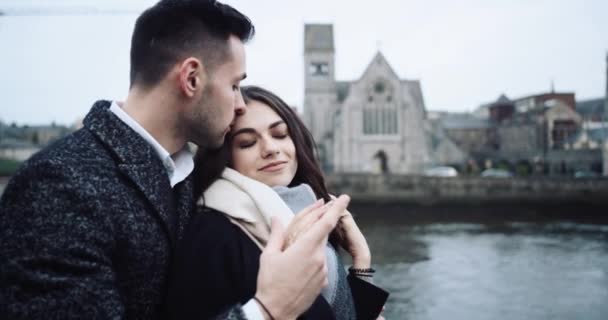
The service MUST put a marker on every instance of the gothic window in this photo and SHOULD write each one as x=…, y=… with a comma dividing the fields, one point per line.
x=380, y=121
x=318, y=68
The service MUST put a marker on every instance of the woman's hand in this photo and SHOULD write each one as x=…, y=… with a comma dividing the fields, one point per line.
x=303, y=220
x=353, y=241
x=351, y=238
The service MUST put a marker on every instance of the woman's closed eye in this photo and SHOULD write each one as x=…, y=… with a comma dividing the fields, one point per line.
x=280, y=135
x=280, y=131
x=244, y=140
x=244, y=144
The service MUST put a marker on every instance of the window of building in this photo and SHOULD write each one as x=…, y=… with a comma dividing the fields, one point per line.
x=380, y=121
x=318, y=68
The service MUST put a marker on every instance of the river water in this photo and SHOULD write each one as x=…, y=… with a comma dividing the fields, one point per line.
x=490, y=270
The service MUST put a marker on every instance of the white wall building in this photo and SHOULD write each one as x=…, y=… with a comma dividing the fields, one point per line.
x=358, y=123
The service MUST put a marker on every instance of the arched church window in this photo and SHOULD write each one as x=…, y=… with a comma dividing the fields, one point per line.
x=380, y=121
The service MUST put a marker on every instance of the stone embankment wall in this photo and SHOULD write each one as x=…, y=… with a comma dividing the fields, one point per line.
x=366, y=188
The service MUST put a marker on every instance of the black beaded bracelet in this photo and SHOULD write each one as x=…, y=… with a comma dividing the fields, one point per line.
x=361, y=271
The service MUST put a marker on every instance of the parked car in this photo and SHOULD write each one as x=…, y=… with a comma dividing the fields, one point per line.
x=496, y=173
x=581, y=174
x=441, y=172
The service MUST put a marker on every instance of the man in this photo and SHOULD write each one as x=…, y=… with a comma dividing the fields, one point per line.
x=88, y=225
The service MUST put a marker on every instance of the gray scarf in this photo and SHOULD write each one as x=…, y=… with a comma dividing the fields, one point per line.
x=337, y=292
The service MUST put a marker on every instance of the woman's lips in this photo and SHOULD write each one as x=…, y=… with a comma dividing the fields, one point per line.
x=274, y=166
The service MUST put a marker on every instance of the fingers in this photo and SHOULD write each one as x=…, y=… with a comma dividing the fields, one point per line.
x=346, y=213
x=277, y=236
x=311, y=207
x=333, y=214
x=320, y=230
x=303, y=221
x=310, y=217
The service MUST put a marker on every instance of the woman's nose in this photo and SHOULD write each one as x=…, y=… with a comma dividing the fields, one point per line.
x=269, y=148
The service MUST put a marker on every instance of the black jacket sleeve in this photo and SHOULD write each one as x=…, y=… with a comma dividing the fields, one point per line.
x=369, y=299
x=209, y=274
x=216, y=267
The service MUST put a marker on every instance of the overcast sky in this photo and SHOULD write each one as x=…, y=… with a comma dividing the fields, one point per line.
x=465, y=53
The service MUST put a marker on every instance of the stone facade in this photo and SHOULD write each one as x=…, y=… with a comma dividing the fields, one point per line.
x=444, y=151
x=361, y=124
x=523, y=140
x=562, y=122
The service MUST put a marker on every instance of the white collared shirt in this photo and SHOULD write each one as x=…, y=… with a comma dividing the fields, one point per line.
x=178, y=166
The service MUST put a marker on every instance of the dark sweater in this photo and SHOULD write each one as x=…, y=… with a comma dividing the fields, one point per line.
x=216, y=266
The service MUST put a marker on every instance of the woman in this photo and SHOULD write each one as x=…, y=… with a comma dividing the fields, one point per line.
x=271, y=172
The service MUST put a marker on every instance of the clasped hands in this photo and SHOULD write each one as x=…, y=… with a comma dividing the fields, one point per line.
x=350, y=236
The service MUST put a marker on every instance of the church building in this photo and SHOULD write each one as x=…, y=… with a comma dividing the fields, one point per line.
x=373, y=124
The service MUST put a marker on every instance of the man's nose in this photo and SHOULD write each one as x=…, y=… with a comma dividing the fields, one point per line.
x=239, y=105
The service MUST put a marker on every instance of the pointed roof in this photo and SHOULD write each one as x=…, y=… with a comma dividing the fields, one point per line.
x=381, y=60
x=502, y=100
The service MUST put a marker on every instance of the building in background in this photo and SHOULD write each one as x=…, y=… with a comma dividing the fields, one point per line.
x=21, y=142
x=373, y=124
x=536, y=134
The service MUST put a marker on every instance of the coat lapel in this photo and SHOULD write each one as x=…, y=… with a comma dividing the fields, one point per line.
x=137, y=160
x=185, y=203
x=157, y=190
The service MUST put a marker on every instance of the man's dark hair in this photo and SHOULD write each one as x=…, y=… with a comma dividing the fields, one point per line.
x=173, y=30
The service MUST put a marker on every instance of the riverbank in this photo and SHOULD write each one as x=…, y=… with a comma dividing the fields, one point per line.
x=496, y=213
x=469, y=191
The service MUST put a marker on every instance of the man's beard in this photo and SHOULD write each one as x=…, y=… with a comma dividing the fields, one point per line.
x=201, y=128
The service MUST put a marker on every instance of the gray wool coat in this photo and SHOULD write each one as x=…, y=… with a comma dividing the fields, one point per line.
x=88, y=228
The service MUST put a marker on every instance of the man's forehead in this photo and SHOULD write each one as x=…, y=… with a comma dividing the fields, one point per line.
x=234, y=59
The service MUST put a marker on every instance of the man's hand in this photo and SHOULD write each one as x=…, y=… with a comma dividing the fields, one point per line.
x=303, y=220
x=290, y=280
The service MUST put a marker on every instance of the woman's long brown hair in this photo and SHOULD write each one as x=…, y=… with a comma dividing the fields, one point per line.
x=209, y=164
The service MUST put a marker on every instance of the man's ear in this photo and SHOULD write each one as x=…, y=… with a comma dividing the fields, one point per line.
x=191, y=76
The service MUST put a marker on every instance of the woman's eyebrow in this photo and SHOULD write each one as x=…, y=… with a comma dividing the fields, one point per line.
x=274, y=124
x=244, y=130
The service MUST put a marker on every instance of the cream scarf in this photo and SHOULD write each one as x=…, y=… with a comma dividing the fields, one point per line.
x=247, y=203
